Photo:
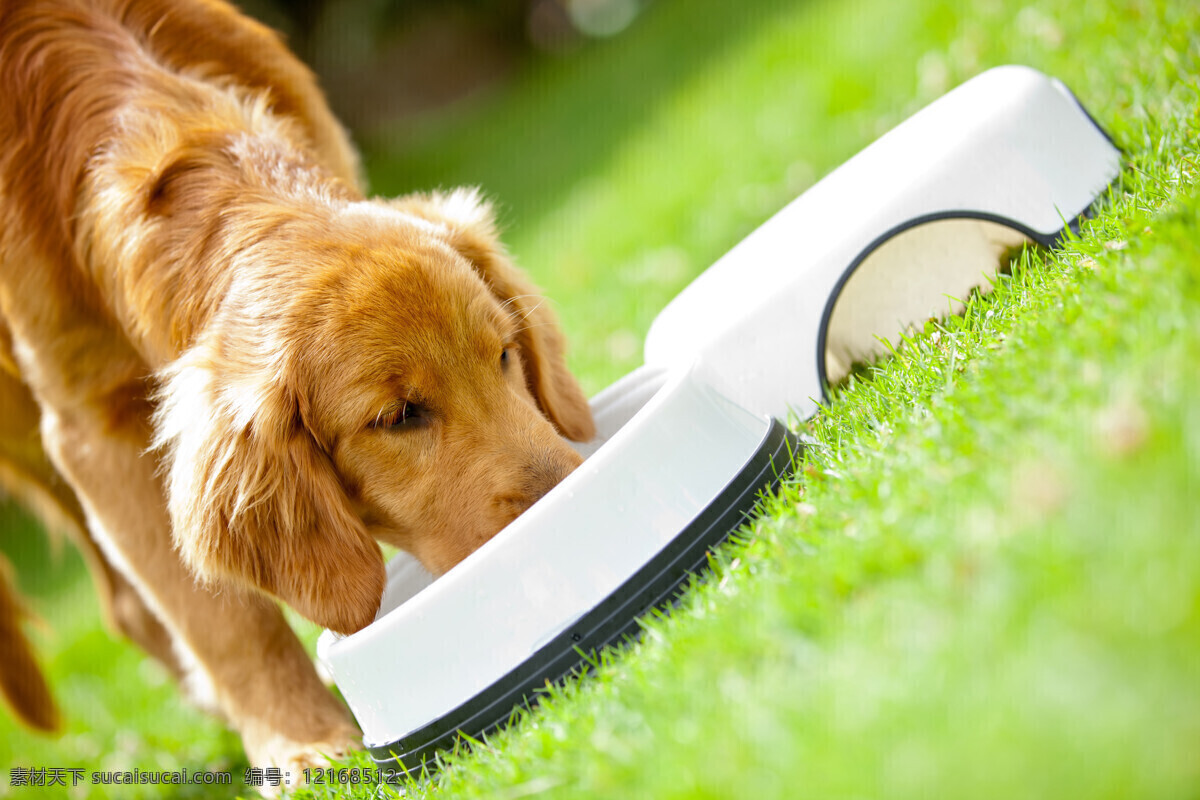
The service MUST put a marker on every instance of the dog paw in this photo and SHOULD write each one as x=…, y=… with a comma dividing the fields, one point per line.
x=295, y=760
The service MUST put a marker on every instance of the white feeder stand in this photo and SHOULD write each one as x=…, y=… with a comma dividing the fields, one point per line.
x=687, y=442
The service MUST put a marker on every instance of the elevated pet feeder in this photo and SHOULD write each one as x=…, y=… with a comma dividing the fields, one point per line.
x=688, y=441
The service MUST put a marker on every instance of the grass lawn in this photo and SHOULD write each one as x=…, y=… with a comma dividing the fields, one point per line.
x=987, y=583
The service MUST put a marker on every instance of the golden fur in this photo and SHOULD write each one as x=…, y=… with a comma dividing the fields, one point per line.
x=229, y=373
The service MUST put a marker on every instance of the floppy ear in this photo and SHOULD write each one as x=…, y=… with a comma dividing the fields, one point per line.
x=470, y=226
x=254, y=499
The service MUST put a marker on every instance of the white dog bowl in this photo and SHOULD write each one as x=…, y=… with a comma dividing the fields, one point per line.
x=687, y=442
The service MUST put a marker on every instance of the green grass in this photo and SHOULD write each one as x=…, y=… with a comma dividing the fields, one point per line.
x=987, y=582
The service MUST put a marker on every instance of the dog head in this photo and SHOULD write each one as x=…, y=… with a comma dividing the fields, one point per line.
x=379, y=373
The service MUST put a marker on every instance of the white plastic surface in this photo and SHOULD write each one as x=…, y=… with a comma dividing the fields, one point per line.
x=1011, y=144
x=738, y=346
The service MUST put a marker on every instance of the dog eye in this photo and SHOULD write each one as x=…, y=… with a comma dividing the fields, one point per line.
x=405, y=414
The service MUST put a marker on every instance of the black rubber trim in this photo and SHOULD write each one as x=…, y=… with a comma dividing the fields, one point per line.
x=656, y=585
x=865, y=253
x=1045, y=240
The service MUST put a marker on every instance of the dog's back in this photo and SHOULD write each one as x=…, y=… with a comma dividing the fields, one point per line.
x=67, y=67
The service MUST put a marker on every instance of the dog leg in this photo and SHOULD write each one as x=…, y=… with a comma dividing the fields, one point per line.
x=22, y=684
x=27, y=474
x=236, y=651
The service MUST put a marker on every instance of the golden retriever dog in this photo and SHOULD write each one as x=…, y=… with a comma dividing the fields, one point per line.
x=229, y=373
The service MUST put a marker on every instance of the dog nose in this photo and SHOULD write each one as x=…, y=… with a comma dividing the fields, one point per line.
x=546, y=474
x=539, y=476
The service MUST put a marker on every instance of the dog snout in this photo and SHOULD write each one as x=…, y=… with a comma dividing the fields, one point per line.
x=548, y=473
x=537, y=477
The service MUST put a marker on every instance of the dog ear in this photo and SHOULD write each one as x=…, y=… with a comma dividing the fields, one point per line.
x=470, y=226
x=254, y=499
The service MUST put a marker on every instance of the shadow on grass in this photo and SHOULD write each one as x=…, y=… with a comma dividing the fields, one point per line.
x=573, y=114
